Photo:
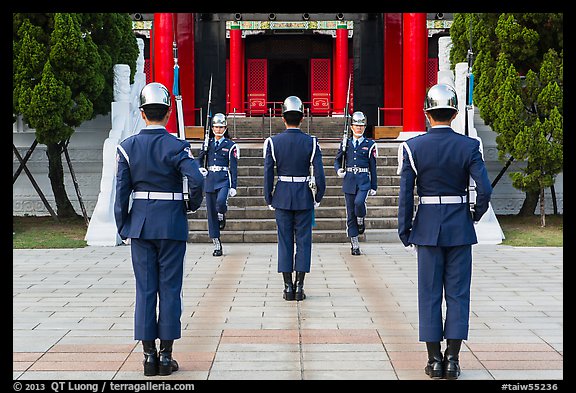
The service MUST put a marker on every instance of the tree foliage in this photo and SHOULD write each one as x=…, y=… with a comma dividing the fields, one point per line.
x=63, y=76
x=518, y=69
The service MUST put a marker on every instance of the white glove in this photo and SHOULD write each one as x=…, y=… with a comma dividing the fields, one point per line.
x=341, y=172
x=204, y=172
x=316, y=204
x=412, y=249
x=372, y=192
x=232, y=192
x=271, y=207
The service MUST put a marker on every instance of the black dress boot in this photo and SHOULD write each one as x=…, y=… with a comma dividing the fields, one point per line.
x=288, y=286
x=166, y=364
x=299, y=286
x=434, y=368
x=217, y=247
x=355, y=250
x=451, y=359
x=361, y=225
x=150, y=358
x=221, y=221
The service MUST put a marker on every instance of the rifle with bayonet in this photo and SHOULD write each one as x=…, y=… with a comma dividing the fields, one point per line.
x=471, y=189
x=180, y=116
x=346, y=125
x=207, y=130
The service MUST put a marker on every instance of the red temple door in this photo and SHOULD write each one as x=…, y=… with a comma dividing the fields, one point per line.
x=257, y=81
x=320, y=86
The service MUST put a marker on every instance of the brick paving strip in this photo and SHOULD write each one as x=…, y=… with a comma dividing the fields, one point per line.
x=73, y=316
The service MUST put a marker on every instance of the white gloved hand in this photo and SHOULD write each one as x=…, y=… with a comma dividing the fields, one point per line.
x=232, y=192
x=204, y=172
x=372, y=192
x=316, y=204
x=271, y=207
x=412, y=249
x=341, y=172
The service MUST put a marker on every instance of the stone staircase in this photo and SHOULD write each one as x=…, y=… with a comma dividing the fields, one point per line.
x=259, y=128
x=249, y=219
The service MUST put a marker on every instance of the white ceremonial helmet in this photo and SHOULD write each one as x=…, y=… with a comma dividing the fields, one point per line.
x=155, y=93
x=358, y=119
x=219, y=120
x=441, y=96
x=292, y=104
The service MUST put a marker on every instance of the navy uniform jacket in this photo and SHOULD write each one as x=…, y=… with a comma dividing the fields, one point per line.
x=154, y=160
x=226, y=155
x=290, y=152
x=440, y=162
x=364, y=156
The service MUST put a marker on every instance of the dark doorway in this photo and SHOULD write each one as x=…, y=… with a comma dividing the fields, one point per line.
x=288, y=78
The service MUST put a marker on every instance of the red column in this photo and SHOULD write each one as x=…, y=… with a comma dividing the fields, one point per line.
x=164, y=59
x=341, y=69
x=392, y=70
x=236, y=69
x=185, y=41
x=414, y=56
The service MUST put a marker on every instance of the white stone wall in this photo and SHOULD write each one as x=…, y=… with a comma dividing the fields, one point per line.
x=85, y=150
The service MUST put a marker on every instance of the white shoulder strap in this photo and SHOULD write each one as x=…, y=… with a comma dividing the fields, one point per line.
x=313, y=149
x=234, y=146
x=266, y=142
x=121, y=149
x=374, y=146
x=403, y=146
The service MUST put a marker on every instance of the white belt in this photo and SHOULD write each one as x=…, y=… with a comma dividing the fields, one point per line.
x=294, y=179
x=357, y=169
x=216, y=168
x=442, y=199
x=167, y=196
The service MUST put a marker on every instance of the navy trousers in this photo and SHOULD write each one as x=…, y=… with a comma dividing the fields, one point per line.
x=294, y=227
x=158, y=269
x=355, y=207
x=448, y=270
x=216, y=202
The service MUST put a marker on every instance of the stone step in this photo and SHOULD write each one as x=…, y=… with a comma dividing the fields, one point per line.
x=327, y=201
x=331, y=190
x=257, y=181
x=269, y=224
x=262, y=212
x=318, y=236
x=329, y=171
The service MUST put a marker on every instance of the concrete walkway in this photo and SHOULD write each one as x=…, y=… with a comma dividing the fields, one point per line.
x=73, y=315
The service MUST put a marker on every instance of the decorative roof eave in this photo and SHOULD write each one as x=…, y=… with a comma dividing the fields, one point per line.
x=289, y=25
x=439, y=24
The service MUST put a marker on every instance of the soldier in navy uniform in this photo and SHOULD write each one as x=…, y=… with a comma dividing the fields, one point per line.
x=151, y=166
x=360, y=178
x=295, y=159
x=221, y=173
x=440, y=164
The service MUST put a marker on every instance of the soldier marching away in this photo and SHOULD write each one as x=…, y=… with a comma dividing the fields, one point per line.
x=151, y=166
x=440, y=163
x=359, y=177
x=221, y=177
x=289, y=156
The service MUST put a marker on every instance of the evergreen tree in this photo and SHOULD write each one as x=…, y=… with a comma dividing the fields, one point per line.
x=519, y=91
x=63, y=75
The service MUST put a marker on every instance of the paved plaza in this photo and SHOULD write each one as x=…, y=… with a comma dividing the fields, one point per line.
x=73, y=315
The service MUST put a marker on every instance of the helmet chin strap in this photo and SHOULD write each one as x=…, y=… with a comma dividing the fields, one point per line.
x=219, y=134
